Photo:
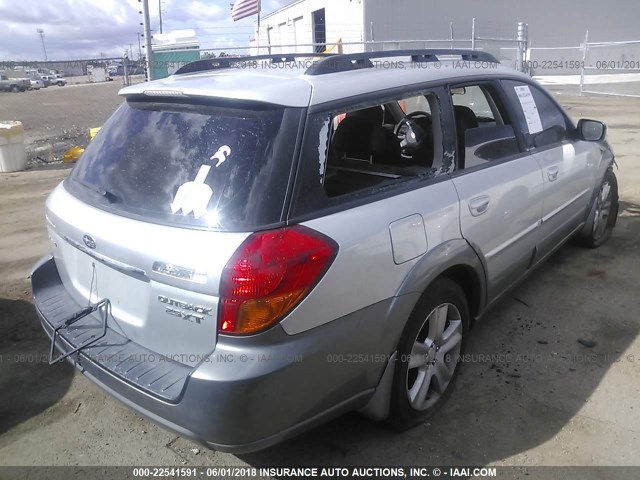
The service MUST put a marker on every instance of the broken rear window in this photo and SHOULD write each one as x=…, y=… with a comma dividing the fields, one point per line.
x=198, y=165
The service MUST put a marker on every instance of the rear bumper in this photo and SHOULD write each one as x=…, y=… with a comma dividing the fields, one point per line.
x=251, y=392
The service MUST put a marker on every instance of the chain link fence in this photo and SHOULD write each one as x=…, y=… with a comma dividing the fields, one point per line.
x=593, y=68
x=611, y=68
x=505, y=50
x=509, y=50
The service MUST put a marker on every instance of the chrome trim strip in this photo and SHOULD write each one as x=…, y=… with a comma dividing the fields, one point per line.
x=513, y=239
x=529, y=229
x=549, y=215
x=116, y=265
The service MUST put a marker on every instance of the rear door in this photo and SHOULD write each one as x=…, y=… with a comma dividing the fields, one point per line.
x=568, y=167
x=499, y=187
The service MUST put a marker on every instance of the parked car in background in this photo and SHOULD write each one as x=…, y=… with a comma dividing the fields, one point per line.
x=244, y=253
x=14, y=84
x=38, y=78
x=37, y=72
x=37, y=84
x=51, y=80
x=97, y=73
x=45, y=79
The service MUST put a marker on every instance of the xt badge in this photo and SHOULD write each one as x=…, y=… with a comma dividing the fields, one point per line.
x=186, y=311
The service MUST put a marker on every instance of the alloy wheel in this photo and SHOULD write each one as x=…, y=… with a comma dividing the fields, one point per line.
x=434, y=356
x=603, y=210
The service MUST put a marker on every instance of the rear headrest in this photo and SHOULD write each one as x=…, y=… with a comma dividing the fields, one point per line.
x=359, y=135
x=465, y=117
x=374, y=114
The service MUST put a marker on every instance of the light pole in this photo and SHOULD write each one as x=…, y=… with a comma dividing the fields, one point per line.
x=160, y=13
x=41, y=33
x=147, y=38
x=139, y=48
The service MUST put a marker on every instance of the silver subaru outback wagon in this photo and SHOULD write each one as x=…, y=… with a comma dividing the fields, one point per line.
x=254, y=246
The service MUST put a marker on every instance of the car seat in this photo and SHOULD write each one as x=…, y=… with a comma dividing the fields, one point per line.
x=465, y=119
x=361, y=137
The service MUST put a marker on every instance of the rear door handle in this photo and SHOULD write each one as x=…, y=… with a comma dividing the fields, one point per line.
x=479, y=205
x=552, y=173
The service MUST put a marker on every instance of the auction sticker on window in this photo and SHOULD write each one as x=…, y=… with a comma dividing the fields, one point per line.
x=529, y=108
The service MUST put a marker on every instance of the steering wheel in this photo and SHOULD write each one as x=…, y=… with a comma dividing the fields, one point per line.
x=410, y=133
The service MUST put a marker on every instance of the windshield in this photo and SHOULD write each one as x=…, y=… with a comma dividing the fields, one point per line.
x=206, y=166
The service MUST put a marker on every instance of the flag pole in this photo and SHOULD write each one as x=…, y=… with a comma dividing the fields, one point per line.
x=258, y=35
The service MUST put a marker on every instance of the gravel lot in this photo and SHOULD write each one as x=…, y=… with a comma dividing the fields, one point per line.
x=58, y=118
x=559, y=403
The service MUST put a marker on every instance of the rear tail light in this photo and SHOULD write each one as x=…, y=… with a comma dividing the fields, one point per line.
x=269, y=275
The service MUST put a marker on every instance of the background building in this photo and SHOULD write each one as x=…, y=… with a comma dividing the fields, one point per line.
x=551, y=23
x=554, y=35
x=173, y=50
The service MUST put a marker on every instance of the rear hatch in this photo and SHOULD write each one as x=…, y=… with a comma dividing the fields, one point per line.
x=161, y=199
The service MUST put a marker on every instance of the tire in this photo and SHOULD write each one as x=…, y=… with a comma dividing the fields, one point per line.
x=603, y=214
x=14, y=88
x=442, y=308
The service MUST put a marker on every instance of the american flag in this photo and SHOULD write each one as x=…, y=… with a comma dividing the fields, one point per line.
x=244, y=8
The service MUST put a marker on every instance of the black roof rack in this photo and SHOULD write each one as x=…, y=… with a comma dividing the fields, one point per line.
x=334, y=63
x=229, y=62
x=358, y=61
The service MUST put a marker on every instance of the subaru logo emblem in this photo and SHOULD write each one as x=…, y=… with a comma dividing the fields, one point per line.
x=89, y=241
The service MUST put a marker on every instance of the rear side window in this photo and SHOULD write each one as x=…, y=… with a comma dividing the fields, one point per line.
x=204, y=166
x=540, y=120
x=363, y=152
x=474, y=98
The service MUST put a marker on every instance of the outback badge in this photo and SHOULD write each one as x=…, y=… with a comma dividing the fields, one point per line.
x=186, y=311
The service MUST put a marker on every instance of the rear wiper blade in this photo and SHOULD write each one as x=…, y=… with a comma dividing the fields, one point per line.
x=108, y=196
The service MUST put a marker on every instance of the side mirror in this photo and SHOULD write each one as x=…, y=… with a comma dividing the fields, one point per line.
x=591, y=130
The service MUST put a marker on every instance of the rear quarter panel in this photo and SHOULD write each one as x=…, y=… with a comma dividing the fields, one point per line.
x=364, y=271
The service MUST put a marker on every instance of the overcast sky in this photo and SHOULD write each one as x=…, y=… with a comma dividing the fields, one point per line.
x=76, y=29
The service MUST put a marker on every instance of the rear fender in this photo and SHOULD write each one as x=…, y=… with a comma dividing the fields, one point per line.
x=454, y=253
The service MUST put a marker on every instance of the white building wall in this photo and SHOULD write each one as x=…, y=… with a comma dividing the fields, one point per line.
x=387, y=20
x=293, y=25
x=345, y=21
x=401, y=20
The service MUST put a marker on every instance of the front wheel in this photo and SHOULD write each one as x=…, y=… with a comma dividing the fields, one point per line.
x=428, y=354
x=604, y=213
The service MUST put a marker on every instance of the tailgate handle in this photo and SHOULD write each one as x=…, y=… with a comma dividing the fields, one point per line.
x=104, y=304
x=118, y=266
